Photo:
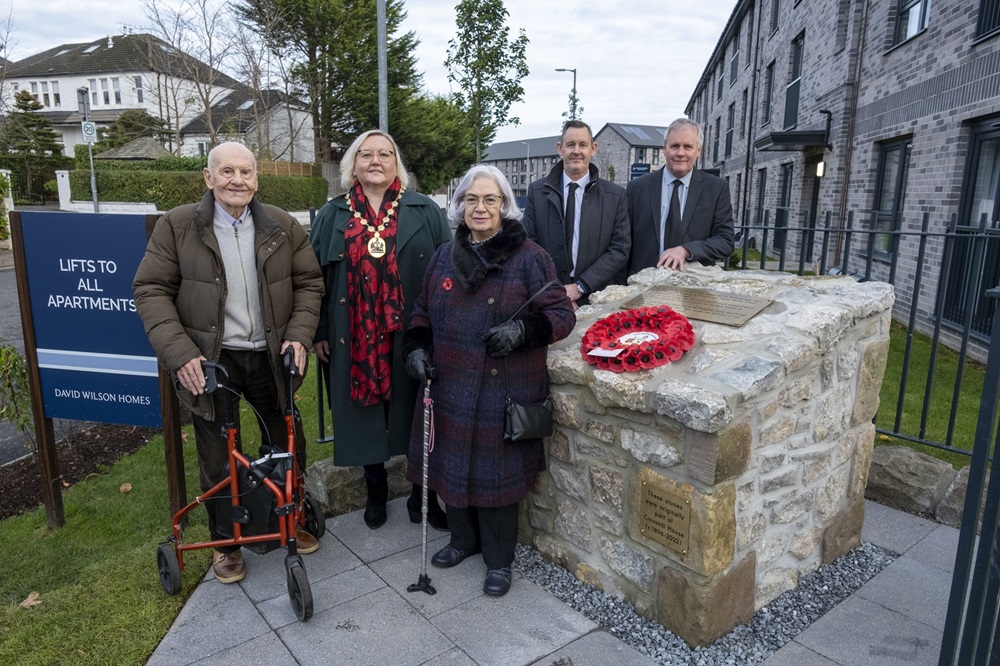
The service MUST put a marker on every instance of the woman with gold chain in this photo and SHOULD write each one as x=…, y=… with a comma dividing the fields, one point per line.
x=373, y=244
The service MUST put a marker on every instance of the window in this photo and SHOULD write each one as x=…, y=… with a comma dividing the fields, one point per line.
x=911, y=18
x=734, y=59
x=722, y=81
x=116, y=86
x=715, y=146
x=794, y=80
x=138, y=89
x=775, y=13
x=730, y=124
x=105, y=92
x=56, y=101
x=761, y=196
x=92, y=48
x=93, y=91
x=743, y=113
x=749, y=25
x=736, y=195
x=890, y=191
x=34, y=91
x=765, y=112
x=989, y=18
x=640, y=155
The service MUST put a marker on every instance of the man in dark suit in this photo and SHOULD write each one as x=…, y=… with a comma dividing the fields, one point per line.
x=679, y=213
x=578, y=218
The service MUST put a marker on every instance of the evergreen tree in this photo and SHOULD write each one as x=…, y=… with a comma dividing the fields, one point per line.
x=28, y=142
x=131, y=124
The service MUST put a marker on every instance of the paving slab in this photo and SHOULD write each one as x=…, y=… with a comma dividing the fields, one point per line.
x=215, y=618
x=326, y=594
x=518, y=628
x=859, y=632
x=597, y=647
x=917, y=590
x=373, y=630
x=892, y=529
x=397, y=535
x=794, y=654
x=266, y=649
x=937, y=549
x=266, y=573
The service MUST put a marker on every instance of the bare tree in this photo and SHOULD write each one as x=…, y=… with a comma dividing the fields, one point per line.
x=201, y=33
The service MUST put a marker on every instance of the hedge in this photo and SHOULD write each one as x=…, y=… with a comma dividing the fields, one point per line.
x=169, y=163
x=168, y=189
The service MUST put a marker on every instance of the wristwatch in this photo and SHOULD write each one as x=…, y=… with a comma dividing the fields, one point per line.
x=582, y=287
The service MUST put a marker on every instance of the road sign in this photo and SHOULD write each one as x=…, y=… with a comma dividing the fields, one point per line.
x=89, y=131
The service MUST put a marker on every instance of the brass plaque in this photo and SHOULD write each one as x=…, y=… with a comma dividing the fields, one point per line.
x=718, y=307
x=665, y=517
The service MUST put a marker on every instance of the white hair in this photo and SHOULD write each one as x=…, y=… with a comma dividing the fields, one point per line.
x=508, y=209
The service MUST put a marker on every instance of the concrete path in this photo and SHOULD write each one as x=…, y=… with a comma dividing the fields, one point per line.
x=364, y=615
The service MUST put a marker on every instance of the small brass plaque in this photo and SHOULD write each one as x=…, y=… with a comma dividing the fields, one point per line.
x=718, y=307
x=665, y=518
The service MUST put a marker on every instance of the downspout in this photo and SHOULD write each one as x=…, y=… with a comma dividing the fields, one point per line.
x=751, y=153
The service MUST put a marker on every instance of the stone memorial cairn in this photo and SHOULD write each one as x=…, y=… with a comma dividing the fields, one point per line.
x=701, y=490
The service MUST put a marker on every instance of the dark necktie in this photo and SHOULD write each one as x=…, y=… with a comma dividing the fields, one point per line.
x=568, y=220
x=671, y=230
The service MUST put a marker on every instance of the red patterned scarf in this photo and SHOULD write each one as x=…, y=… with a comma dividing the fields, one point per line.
x=374, y=293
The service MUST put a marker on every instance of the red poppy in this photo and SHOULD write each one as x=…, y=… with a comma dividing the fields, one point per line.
x=446, y=284
x=648, y=337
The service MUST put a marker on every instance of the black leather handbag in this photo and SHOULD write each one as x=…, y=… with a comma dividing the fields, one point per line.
x=532, y=421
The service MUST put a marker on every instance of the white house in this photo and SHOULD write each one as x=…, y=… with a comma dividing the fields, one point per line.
x=142, y=71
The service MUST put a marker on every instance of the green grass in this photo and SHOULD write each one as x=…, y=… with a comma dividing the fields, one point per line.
x=939, y=406
x=101, y=598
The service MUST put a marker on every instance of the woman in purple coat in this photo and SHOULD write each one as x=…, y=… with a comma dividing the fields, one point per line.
x=459, y=337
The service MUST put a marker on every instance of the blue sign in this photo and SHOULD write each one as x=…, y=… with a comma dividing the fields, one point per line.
x=638, y=170
x=95, y=361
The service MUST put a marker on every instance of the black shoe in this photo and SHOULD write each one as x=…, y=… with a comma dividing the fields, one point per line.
x=497, y=581
x=449, y=557
x=378, y=495
x=436, y=517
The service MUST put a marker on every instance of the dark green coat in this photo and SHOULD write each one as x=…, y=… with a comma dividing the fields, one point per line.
x=360, y=434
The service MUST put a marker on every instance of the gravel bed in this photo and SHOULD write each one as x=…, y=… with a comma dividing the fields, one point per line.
x=769, y=628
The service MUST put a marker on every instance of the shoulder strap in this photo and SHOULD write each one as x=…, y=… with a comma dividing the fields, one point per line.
x=536, y=295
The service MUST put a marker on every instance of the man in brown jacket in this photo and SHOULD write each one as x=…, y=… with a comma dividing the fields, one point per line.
x=236, y=281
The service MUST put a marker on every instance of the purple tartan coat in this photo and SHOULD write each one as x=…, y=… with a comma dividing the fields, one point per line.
x=463, y=296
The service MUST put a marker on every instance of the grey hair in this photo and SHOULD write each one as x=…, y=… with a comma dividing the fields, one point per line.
x=681, y=123
x=347, y=162
x=213, y=155
x=508, y=209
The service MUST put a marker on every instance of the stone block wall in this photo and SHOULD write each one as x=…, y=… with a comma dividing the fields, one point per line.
x=764, y=430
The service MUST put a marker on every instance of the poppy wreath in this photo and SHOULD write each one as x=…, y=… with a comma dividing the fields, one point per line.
x=649, y=337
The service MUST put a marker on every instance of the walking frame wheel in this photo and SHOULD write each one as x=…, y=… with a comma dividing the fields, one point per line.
x=299, y=592
x=169, y=568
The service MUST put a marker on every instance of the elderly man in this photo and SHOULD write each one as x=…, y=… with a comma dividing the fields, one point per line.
x=232, y=280
x=679, y=213
x=578, y=218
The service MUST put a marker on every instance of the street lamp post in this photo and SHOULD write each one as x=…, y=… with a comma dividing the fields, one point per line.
x=572, y=103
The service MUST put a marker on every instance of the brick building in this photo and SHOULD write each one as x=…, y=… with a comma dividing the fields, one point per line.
x=880, y=109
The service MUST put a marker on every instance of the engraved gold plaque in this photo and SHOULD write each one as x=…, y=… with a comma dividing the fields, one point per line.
x=718, y=307
x=665, y=517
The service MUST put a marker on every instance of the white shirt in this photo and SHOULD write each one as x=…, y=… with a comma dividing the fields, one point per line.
x=566, y=180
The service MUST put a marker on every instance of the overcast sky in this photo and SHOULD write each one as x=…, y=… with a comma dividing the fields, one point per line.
x=636, y=61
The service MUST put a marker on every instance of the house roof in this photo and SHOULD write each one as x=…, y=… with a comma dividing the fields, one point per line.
x=514, y=150
x=650, y=136
x=116, y=54
x=235, y=112
x=143, y=148
x=99, y=116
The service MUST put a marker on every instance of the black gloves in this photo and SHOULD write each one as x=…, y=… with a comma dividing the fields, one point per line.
x=418, y=365
x=501, y=340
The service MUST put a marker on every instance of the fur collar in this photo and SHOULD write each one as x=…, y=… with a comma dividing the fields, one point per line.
x=471, y=266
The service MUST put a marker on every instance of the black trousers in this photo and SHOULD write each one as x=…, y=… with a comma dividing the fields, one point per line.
x=250, y=377
x=492, y=529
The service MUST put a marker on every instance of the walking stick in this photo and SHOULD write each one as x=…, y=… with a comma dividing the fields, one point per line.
x=423, y=583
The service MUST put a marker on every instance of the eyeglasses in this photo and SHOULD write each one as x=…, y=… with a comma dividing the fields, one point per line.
x=490, y=200
x=368, y=155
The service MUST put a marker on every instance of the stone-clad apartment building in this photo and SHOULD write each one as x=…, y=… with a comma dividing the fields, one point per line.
x=898, y=100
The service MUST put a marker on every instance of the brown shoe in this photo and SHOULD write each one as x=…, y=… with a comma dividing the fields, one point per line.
x=305, y=543
x=229, y=567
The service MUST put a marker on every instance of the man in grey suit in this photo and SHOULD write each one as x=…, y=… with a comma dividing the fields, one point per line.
x=579, y=218
x=679, y=214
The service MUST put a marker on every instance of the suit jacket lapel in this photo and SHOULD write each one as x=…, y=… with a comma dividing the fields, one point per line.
x=655, y=199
